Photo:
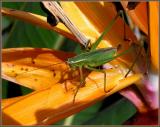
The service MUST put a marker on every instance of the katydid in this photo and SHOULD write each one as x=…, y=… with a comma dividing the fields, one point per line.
x=91, y=60
x=95, y=57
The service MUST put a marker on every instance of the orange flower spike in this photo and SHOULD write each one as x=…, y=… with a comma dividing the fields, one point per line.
x=47, y=106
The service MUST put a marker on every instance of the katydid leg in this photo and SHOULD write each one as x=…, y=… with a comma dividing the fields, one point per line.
x=81, y=83
x=134, y=62
x=98, y=70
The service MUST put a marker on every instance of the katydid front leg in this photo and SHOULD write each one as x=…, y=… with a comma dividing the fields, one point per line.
x=98, y=70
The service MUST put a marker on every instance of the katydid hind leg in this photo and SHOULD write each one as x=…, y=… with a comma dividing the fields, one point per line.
x=134, y=62
x=99, y=70
x=80, y=85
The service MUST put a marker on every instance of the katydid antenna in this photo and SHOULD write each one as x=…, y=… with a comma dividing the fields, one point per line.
x=56, y=13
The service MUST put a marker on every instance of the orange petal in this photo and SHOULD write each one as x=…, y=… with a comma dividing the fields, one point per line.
x=35, y=19
x=36, y=68
x=47, y=106
x=9, y=101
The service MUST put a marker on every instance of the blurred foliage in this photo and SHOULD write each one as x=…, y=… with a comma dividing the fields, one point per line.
x=21, y=34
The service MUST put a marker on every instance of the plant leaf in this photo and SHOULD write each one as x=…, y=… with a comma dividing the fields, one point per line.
x=116, y=114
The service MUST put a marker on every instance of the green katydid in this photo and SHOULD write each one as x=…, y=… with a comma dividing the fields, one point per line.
x=95, y=57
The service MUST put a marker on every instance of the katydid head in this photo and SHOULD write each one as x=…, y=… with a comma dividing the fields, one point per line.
x=71, y=63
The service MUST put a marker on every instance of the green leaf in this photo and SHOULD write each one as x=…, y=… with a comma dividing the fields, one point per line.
x=115, y=114
x=23, y=34
x=4, y=88
x=5, y=23
x=13, y=5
